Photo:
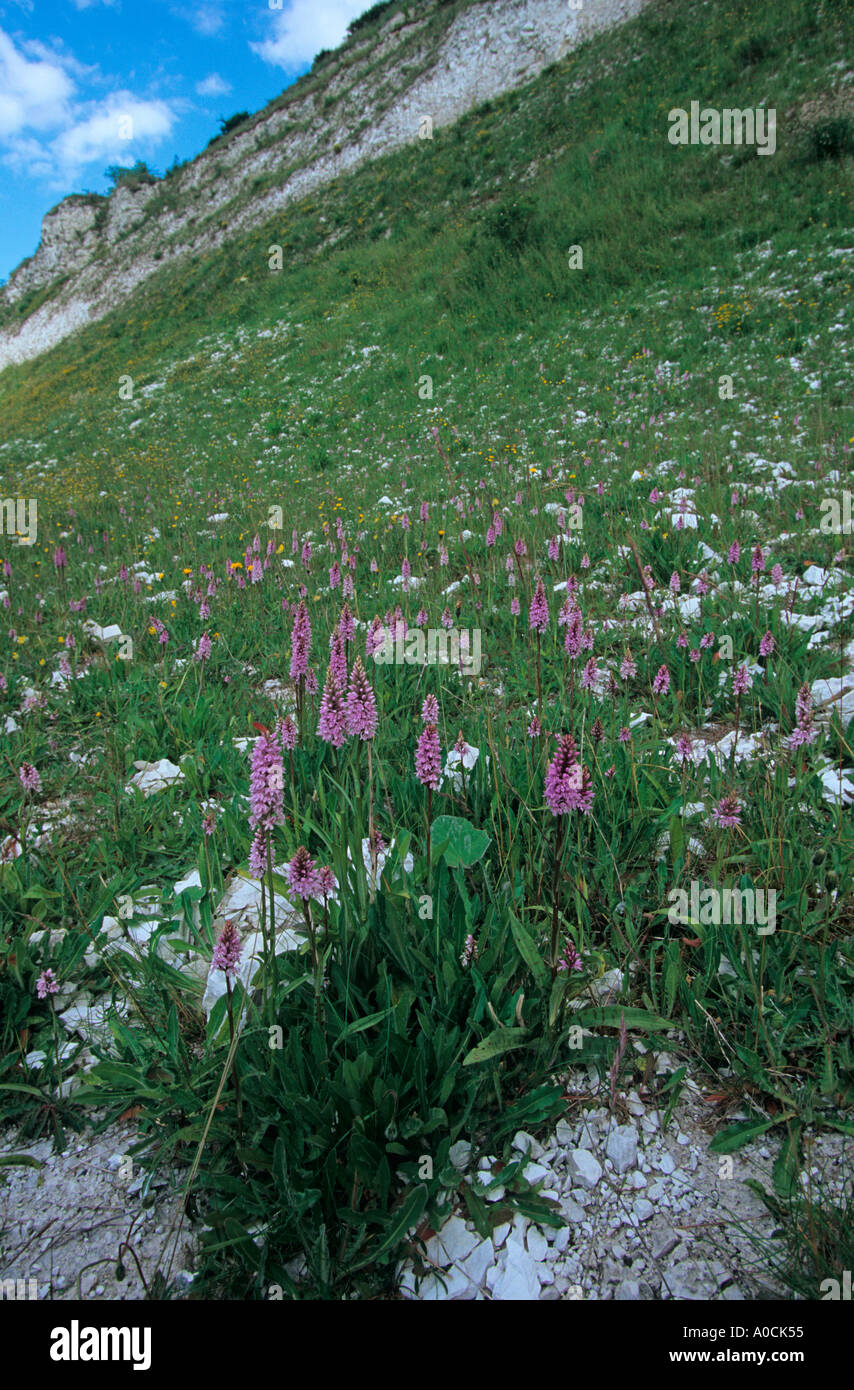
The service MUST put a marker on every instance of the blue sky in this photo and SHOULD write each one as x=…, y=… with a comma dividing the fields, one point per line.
x=89, y=83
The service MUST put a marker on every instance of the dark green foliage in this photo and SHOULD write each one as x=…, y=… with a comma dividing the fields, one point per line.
x=133, y=178
x=752, y=50
x=374, y=12
x=232, y=122
x=832, y=138
x=513, y=225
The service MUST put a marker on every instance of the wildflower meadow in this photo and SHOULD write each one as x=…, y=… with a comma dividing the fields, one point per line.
x=428, y=698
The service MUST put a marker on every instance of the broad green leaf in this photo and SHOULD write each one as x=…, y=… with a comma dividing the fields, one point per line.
x=464, y=843
x=501, y=1040
x=360, y=1024
x=736, y=1136
x=478, y=1210
x=609, y=1016
x=527, y=949
x=677, y=839
x=537, y=1209
x=787, y=1165
x=405, y=1216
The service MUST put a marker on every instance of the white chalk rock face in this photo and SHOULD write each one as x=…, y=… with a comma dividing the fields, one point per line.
x=107, y=247
x=193, y=880
x=90, y=1021
x=456, y=1240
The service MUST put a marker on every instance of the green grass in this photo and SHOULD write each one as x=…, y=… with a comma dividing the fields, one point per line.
x=810, y=1250
x=305, y=389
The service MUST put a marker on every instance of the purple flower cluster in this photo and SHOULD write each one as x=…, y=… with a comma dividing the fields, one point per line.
x=568, y=785
x=570, y=960
x=332, y=725
x=574, y=633
x=361, y=705
x=428, y=757
x=805, y=731
x=661, y=684
x=300, y=642
x=228, y=950
x=46, y=984
x=469, y=951
x=258, y=854
x=430, y=710
x=338, y=658
x=266, y=784
x=287, y=731
x=29, y=777
x=306, y=880
x=538, y=619
x=727, y=813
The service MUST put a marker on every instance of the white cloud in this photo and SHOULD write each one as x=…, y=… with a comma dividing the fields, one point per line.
x=207, y=19
x=113, y=130
x=27, y=156
x=60, y=56
x=87, y=4
x=305, y=27
x=48, y=132
x=213, y=86
x=33, y=94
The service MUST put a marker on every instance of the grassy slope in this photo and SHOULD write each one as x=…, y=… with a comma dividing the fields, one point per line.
x=646, y=214
x=356, y=63
x=449, y=264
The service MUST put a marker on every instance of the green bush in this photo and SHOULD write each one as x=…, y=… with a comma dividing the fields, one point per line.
x=132, y=177
x=228, y=124
x=232, y=122
x=363, y=20
x=513, y=225
x=832, y=138
x=752, y=50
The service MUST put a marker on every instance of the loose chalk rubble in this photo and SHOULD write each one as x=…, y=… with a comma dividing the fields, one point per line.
x=644, y=1215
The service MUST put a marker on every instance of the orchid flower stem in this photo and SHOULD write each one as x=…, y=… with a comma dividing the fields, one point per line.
x=271, y=896
x=561, y=830
x=234, y=1060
